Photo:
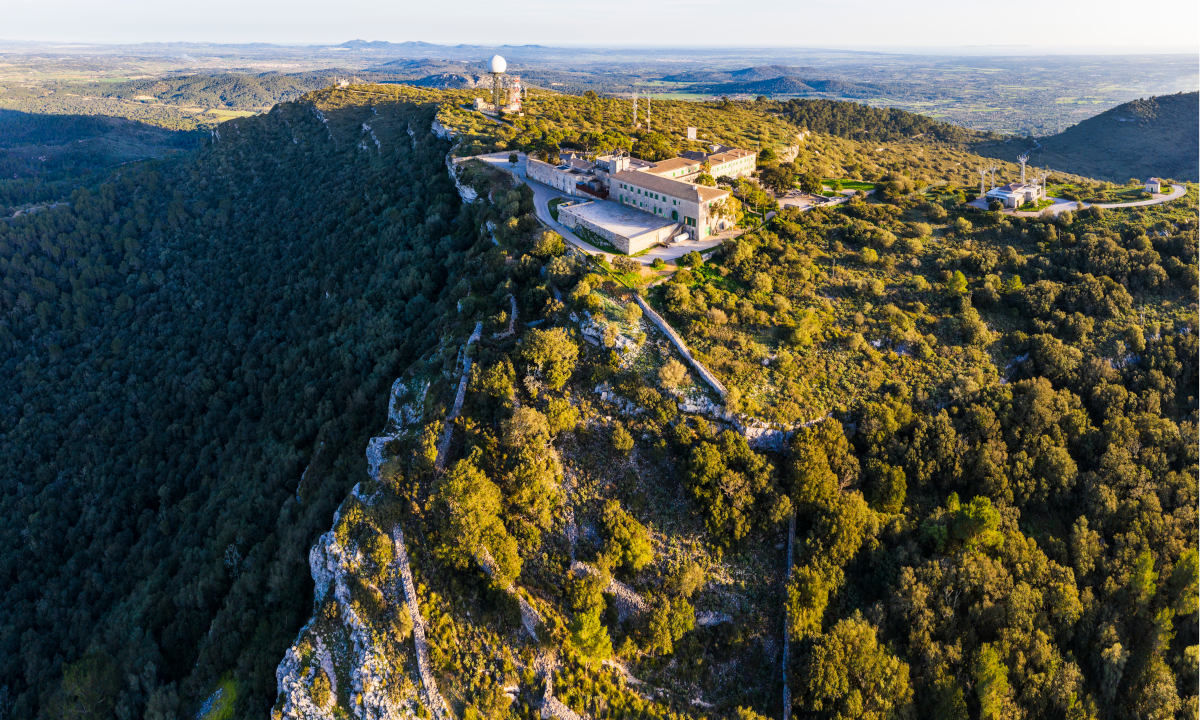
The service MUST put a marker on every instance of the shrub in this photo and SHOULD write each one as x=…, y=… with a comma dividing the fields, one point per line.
x=672, y=374
x=626, y=265
x=621, y=439
x=322, y=693
x=551, y=352
x=628, y=542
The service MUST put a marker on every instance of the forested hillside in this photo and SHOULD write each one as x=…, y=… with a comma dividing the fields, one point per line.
x=45, y=157
x=1150, y=137
x=194, y=354
x=862, y=122
x=226, y=89
x=953, y=476
x=994, y=508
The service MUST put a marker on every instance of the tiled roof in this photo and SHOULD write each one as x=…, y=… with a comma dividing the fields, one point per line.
x=669, y=187
x=675, y=163
x=726, y=156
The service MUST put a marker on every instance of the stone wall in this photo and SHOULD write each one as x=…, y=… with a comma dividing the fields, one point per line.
x=627, y=245
x=548, y=174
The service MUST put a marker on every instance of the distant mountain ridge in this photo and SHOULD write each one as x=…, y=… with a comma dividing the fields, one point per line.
x=778, y=80
x=1143, y=138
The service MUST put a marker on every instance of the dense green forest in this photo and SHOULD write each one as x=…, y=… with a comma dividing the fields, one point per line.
x=45, y=157
x=180, y=344
x=222, y=89
x=862, y=122
x=1014, y=496
x=995, y=509
x=955, y=468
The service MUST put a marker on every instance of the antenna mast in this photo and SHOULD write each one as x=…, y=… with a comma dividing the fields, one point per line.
x=1023, y=158
x=635, y=114
x=647, y=112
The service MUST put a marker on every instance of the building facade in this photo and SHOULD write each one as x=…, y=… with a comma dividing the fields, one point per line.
x=564, y=178
x=734, y=163
x=693, y=206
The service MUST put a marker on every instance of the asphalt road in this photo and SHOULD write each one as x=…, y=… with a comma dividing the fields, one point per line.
x=1061, y=205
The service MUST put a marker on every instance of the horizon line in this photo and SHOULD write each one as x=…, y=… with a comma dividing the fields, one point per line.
x=988, y=49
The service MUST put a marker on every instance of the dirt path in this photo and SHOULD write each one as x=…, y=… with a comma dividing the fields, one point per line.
x=31, y=209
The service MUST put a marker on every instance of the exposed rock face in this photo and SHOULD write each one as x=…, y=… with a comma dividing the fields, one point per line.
x=376, y=684
x=466, y=192
x=441, y=131
x=629, y=603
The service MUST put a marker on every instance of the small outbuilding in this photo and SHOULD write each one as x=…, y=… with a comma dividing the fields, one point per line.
x=1014, y=195
x=1154, y=185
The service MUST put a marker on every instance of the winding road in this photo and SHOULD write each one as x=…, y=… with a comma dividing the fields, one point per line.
x=1060, y=205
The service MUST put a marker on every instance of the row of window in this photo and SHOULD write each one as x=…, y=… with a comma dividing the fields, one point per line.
x=647, y=193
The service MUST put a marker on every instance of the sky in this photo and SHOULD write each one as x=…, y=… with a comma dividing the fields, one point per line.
x=1059, y=26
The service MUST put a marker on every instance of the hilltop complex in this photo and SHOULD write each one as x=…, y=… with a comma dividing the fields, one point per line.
x=663, y=200
x=506, y=90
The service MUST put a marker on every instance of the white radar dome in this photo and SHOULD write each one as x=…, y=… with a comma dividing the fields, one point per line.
x=499, y=64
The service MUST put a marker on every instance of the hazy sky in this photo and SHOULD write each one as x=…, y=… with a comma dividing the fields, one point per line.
x=1168, y=25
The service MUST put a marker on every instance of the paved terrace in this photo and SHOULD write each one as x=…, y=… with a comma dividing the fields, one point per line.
x=622, y=219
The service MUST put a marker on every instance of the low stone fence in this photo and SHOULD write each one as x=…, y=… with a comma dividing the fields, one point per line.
x=677, y=341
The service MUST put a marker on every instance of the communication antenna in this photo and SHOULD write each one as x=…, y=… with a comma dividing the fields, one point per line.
x=635, y=114
x=647, y=112
x=1023, y=158
x=497, y=68
x=994, y=169
x=982, y=181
